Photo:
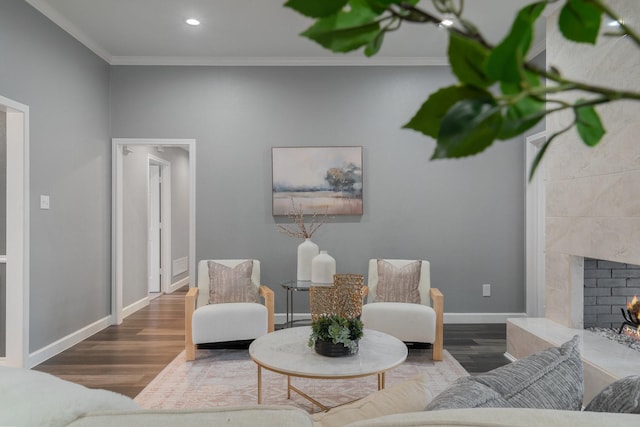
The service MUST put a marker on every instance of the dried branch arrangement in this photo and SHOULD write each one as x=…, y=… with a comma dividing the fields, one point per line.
x=298, y=228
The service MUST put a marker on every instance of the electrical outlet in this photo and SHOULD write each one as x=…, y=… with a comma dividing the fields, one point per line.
x=486, y=290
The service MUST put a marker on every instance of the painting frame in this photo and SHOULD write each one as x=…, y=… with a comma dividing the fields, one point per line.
x=318, y=179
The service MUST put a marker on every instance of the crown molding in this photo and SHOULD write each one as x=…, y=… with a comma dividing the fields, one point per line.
x=66, y=25
x=279, y=61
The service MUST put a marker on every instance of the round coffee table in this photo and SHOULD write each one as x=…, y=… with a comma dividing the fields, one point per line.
x=286, y=352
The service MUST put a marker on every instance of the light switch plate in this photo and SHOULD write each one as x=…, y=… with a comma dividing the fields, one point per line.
x=44, y=202
x=486, y=290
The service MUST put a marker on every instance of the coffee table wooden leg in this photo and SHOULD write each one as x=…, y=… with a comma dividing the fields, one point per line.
x=288, y=387
x=259, y=384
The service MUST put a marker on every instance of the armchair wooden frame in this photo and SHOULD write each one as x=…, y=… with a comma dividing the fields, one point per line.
x=437, y=300
x=190, y=307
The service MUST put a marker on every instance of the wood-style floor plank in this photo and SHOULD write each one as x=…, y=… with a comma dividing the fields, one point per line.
x=125, y=358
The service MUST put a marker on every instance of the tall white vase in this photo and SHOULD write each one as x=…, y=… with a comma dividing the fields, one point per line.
x=307, y=250
x=323, y=268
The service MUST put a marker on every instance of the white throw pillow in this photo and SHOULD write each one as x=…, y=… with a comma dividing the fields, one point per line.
x=406, y=396
x=32, y=398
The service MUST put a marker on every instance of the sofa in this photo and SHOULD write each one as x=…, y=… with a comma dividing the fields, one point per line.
x=544, y=389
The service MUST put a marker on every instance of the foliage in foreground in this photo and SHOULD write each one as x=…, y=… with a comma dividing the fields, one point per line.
x=499, y=94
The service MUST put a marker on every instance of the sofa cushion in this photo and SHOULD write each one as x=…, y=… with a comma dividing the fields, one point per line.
x=231, y=284
x=32, y=398
x=550, y=379
x=406, y=396
x=622, y=396
x=398, y=284
x=500, y=417
x=231, y=416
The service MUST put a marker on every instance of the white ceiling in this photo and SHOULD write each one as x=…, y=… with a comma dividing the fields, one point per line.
x=248, y=32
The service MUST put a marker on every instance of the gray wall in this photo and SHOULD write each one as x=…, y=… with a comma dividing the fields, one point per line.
x=67, y=89
x=135, y=179
x=465, y=216
x=3, y=232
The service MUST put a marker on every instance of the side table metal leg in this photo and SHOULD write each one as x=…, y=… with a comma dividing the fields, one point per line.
x=286, y=325
x=259, y=384
x=288, y=387
x=380, y=380
x=291, y=324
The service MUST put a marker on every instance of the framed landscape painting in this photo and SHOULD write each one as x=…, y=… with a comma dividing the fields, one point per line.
x=320, y=179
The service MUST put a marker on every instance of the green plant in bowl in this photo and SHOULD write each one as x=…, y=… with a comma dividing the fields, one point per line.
x=338, y=330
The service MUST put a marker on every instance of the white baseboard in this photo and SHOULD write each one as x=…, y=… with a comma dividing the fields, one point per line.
x=281, y=318
x=448, y=317
x=480, y=317
x=177, y=285
x=132, y=308
x=67, y=342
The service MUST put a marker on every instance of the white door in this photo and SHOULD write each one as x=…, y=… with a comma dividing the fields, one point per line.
x=14, y=231
x=155, y=228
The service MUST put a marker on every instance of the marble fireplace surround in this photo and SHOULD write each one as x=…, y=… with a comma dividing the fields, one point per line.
x=592, y=202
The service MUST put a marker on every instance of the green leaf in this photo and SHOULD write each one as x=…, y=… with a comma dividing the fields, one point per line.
x=525, y=113
x=374, y=45
x=505, y=62
x=580, y=21
x=466, y=58
x=468, y=128
x=521, y=117
x=588, y=125
x=316, y=9
x=427, y=119
x=346, y=31
x=382, y=5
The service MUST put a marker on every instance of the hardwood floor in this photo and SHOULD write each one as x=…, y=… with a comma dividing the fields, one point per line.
x=127, y=357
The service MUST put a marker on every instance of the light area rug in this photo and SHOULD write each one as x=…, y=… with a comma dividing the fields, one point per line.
x=229, y=377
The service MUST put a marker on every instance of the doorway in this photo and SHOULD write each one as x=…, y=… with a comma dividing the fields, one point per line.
x=159, y=226
x=156, y=270
x=14, y=234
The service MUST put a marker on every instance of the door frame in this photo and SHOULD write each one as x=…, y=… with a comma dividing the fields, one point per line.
x=17, y=287
x=165, y=218
x=535, y=201
x=117, y=233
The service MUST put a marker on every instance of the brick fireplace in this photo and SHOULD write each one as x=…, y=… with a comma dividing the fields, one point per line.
x=608, y=286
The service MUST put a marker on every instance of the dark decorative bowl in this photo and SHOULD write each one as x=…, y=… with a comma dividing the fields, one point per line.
x=329, y=349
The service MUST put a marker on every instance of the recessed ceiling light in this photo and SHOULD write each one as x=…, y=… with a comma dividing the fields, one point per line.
x=193, y=21
x=446, y=22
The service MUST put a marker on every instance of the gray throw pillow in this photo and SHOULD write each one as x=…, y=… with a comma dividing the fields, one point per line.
x=550, y=379
x=622, y=396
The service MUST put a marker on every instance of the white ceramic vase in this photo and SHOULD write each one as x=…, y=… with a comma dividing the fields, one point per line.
x=323, y=268
x=307, y=250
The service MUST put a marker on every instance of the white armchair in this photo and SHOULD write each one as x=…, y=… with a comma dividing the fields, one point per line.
x=409, y=322
x=234, y=321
